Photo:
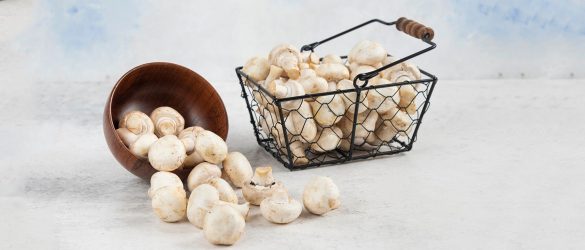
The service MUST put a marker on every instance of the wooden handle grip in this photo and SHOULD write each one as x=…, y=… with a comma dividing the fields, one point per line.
x=414, y=28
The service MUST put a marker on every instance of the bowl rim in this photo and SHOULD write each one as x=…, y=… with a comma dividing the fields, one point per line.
x=149, y=64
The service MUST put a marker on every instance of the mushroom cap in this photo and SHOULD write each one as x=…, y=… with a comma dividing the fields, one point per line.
x=280, y=208
x=142, y=144
x=201, y=174
x=328, y=109
x=201, y=200
x=300, y=122
x=368, y=53
x=255, y=194
x=237, y=168
x=137, y=122
x=226, y=193
x=223, y=225
x=328, y=139
x=321, y=195
x=167, y=153
x=333, y=72
x=384, y=98
x=163, y=179
x=257, y=68
x=167, y=121
x=126, y=136
x=189, y=136
x=332, y=58
x=350, y=97
x=397, y=119
x=170, y=203
x=211, y=147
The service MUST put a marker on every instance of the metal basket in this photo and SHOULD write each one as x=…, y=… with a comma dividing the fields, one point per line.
x=395, y=129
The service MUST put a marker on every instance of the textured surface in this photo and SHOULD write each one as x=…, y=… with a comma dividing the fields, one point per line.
x=498, y=165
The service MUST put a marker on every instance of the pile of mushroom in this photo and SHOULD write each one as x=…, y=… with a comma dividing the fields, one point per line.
x=325, y=123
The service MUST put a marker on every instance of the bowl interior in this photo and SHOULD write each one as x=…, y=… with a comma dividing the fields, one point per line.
x=153, y=85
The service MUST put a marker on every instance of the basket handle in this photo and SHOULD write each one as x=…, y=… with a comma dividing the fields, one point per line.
x=415, y=29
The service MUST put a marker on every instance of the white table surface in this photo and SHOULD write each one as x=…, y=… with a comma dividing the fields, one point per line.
x=499, y=164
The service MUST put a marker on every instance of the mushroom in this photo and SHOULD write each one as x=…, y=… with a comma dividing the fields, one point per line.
x=226, y=193
x=210, y=146
x=365, y=124
x=360, y=69
x=350, y=98
x=170, y=203
x=309, y=60
x=201, y=174
x=288, y=58
x=261, y=186
x=137, y=123
x=300, y=122
x=382, y=134
x=328, y=139
x=297, y=149
x=167, y=153
x=188, y=136
x=257, y=68
x=289, y=88
x=223, y=225
x=408, y=92
x=203, y=198
x=332, y=71
x=367, y=53
x=311, y=82
x=163, y=179
x=273, y=74
x=138, y=144
x=384, y=98
x=328, y=109
x=167, y=121
x=321, y=195
x=332, y=58
x=397, y=119
x=280, y=208
x=237, y=169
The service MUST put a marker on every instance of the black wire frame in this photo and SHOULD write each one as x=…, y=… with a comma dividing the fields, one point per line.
x=282, y=150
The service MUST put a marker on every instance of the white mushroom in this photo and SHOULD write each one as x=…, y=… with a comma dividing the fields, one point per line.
x=321, y=195
x=365, y=124
x=333, y=72
x=137, y=144
x=288, y=58
x=273, y=74
x=202, y=199
x=201, y=174
x=280, y=208
x=223, y=225
x=384, y=98
x=383, y=134
x=261, y=186
x=328, y=139
x=300, y=122
x=257, y=68
x=311, y=82
x=137, y=123
x=163, y=179
x=237, y=168
x=328, y=109
x=297, y=149
x=167, y=153
x=397, y=119
x=350, y=98
x=289, y=88
x=170, y=203
x=226, y=193
x=188, y=136
x=332, y=58
x=210, y=146
x=367, y=53
x=309, y=60
x=167, y=121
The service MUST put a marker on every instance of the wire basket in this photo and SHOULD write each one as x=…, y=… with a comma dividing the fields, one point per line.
x=312, y=130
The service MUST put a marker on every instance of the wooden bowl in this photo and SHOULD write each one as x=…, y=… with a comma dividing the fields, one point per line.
x=156, y=84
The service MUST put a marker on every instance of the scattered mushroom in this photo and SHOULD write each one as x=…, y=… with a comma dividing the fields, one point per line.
x=280, y=208
x=170, y=203
x=321, y=195
x=167, y=121
x=137, y=123
x=163, y=179
x=188, y=136
x=210, y=146
x=203, y=198
x=226, y=193
x=201, y=174
x=223, y=225
x=261, y=186
x=167, y=153
x=237, y=168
